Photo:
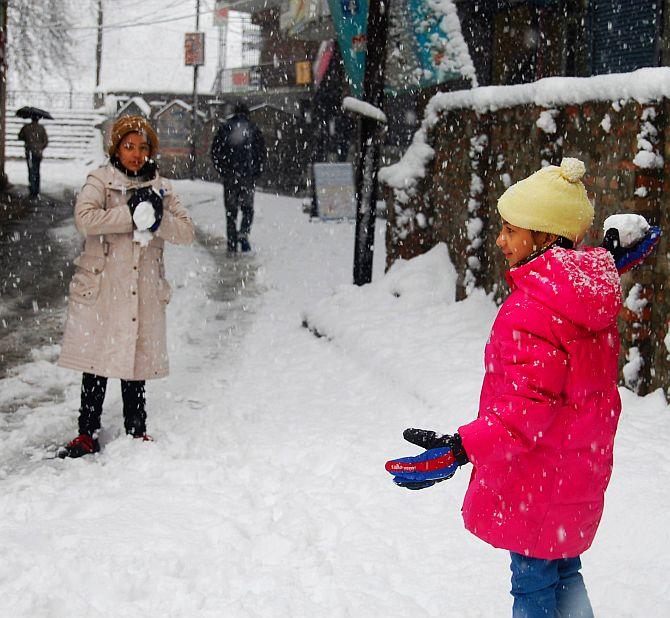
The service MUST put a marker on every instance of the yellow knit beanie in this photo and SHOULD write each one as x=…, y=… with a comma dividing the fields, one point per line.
x=551, y=200
x=131, y=124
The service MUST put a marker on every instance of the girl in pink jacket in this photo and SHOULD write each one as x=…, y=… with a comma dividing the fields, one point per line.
x=541, y=446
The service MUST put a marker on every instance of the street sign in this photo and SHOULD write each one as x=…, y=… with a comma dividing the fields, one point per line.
x=303, y=72
x=350, y=18
x=194, y=49
x=240, y=78
x=426, y=57
x=220, y=14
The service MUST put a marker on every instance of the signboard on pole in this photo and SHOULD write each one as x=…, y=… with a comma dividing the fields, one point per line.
x=194, y=49
x=426, y=56
x=351, y=24
x=334, y=190
x=220, y=14
x=434, y=54
x=303, y=72
x=241, y=78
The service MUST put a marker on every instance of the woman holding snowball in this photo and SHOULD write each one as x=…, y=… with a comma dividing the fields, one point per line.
x=116, y=314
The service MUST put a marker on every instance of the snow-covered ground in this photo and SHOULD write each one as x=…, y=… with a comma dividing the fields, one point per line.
x=265, y=492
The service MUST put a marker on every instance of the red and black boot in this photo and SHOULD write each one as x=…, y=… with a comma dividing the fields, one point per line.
x=82, y=445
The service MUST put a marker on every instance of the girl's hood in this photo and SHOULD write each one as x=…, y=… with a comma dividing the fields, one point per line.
x=582, y=286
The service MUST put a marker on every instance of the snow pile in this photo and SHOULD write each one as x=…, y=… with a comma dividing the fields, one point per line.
x=647, y=142
x=632, y=228
x=606, y=123
x=643, y=85
x=455, y=53
x=265, y=492
x=403, y=177
x=351, y=104
x=631, y=370
x=388, y=323
x=547, y=120
x=634, y=302
x=474, y=224
x=408, y=287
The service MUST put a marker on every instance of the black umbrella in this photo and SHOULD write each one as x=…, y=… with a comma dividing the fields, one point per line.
x=33, y=112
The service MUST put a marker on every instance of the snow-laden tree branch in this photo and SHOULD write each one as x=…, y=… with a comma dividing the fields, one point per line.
x=39, y=39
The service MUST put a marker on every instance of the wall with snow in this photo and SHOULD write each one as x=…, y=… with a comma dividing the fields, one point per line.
x=622, y=139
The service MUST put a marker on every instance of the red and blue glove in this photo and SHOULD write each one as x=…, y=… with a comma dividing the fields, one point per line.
x=443, y=456
x=627, y=258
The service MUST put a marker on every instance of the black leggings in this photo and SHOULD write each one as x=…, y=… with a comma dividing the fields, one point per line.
x=93, y=395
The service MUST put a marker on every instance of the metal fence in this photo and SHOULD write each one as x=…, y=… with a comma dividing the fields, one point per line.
x=51, y=101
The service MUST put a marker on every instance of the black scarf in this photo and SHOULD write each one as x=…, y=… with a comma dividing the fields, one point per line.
x=147, y=172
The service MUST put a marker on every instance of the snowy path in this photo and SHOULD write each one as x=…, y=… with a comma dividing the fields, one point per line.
x=264, y=494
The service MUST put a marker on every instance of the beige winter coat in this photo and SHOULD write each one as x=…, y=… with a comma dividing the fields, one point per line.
x=118, y=294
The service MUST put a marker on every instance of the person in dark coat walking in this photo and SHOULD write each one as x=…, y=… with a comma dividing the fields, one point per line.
x=238, y=154
x=35, y=139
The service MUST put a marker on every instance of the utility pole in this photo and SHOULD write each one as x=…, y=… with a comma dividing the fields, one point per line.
x=194, y=120
x=369, y=147
x=221, y=18
x=3, y=89
x=98, y=47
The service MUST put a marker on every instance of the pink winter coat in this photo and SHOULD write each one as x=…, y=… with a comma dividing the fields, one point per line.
x=542, y=444
x=118, y=294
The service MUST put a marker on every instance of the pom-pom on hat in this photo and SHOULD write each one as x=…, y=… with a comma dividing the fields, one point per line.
x=130, y=124
x=551, y=200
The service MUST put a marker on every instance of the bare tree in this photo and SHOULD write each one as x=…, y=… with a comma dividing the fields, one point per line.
x=40, y=38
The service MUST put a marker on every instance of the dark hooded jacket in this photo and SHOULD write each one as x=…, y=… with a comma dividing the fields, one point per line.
x=238, y=149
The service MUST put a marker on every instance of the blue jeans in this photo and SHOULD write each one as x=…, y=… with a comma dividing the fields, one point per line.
x=548, y=588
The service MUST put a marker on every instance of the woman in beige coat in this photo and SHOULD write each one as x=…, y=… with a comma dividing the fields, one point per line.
x=116, y=314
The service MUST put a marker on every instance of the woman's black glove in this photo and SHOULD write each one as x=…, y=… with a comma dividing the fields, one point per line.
x=148, y=194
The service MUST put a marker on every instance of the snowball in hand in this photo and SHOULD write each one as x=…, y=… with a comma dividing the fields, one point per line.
x=144, y=216
x=632, y=228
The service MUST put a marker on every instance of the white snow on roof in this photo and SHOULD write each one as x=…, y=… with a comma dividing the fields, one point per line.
x=180, y=103
x=144, y=107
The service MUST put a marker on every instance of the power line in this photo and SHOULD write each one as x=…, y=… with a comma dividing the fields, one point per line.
x=136, y=24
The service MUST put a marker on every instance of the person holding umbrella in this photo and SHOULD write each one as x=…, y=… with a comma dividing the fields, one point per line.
x=35, y=139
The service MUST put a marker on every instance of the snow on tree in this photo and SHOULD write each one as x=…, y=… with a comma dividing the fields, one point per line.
x=40, y=38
